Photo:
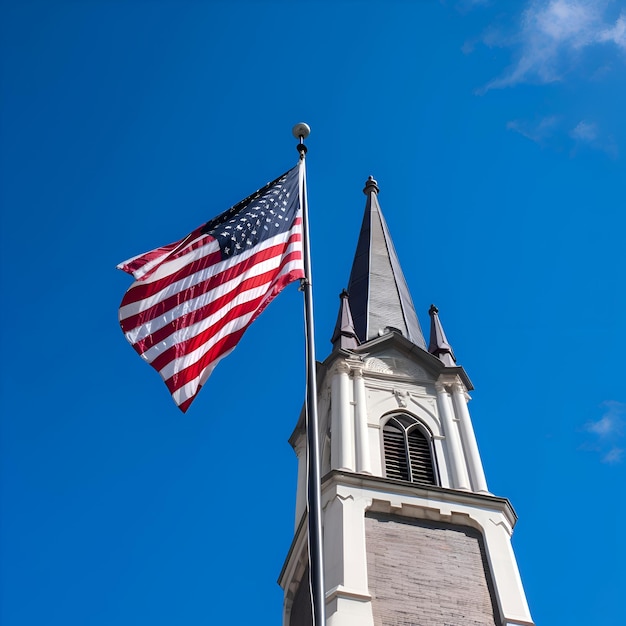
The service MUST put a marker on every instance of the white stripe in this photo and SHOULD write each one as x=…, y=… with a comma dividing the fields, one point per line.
x=177, y=365
x=188, y=332
x=191, y=388
x=144, y=269
x=198, y=277
x=151, y=326
x=174, y=265
x=171, y=267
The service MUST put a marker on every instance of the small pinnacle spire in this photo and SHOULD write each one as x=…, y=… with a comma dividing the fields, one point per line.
x=439, y=345
x=344, y=335
x=371, y=186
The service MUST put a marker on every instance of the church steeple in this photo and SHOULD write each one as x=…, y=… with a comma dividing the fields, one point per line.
x=379, y=297
x=412, y=534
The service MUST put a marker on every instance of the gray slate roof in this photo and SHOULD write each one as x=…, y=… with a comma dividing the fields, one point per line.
x=379, y=297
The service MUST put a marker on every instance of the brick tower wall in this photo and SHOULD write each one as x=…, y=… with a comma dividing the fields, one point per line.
x=426, y=574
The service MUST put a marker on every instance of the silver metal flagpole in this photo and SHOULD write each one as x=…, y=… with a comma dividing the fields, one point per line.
x=316, y=552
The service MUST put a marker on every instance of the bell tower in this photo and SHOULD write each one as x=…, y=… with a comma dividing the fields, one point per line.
x=412, y=535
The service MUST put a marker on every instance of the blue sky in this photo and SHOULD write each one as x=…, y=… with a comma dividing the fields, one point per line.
x=497, y=135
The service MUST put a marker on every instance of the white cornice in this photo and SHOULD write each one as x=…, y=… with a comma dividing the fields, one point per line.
x=387, y=489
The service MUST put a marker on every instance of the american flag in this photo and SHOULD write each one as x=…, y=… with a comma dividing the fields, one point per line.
x=193, y=299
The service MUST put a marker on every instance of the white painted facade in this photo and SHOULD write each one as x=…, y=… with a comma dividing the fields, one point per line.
x=358, y=391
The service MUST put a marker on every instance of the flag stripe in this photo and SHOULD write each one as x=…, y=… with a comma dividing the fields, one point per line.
x=193, y=311
x=200, y=247
x=185, y=353
x=187, y=381
x=182, y=294
x=193, y=299
x=197, y=270
x=176, y=348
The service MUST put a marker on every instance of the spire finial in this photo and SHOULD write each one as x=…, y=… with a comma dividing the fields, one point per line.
x=371, y=186
x=301, y=131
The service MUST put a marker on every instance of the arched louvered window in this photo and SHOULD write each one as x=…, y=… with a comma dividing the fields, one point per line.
x=407, y=451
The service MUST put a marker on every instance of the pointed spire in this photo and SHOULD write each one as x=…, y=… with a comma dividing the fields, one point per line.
x=379, y=296
x=344, y=335
x=439, y=345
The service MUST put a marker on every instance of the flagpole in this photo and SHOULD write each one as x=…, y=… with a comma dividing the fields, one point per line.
x=316, y=553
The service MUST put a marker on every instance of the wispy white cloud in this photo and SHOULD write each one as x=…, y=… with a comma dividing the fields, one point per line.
x=616, y=34
x=585, y=131
x=608, y=432
x=556, y=132
x=614, y=455
x=552, y=35
x=587, y=134
x=539, y=131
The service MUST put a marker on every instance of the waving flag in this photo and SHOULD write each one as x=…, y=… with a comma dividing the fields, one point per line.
x=193, y=299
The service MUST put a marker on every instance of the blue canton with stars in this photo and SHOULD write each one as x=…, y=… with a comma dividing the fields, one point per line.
x=268, y=212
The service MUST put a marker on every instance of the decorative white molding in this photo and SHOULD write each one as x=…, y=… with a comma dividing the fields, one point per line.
x=343, y=592
x=504, y=524
x=396, y=366
x=379, y=384
x=377, y=365
x=401, y=397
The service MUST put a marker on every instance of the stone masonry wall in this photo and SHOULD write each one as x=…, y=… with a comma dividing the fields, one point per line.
x=426, y=574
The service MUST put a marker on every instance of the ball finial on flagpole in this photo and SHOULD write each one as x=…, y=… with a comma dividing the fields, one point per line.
x=301, y=131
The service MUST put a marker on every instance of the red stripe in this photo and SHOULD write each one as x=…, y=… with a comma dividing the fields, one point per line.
x=143, y=290
x=140, y=261
x=140, y=291
x=193, y=317
x=224, y=345
x=187, y=346
x=161, y=307
x=172, y=251
x=281, y=283
x=189, y=373
x=194, y=370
